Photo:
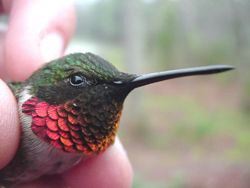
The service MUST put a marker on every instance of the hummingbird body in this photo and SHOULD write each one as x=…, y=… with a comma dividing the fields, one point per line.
x=70, y=110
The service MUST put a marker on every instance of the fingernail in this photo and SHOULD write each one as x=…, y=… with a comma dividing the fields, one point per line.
x=52, y=46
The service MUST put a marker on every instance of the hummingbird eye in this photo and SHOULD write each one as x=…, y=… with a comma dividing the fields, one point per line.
x=77, y=79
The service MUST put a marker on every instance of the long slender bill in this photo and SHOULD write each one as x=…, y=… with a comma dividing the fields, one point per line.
x=150, y=78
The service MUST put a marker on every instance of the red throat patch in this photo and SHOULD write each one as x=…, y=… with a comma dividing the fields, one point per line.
x=61, y=126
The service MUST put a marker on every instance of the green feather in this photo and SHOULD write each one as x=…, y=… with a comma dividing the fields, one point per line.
x=15, y=87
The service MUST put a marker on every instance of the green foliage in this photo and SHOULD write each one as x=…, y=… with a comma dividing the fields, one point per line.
x=140, y=182
x=101, y=21
x=196, y=126
x=176, y=181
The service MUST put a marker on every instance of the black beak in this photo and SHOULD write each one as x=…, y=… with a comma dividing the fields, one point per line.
x=150, y=78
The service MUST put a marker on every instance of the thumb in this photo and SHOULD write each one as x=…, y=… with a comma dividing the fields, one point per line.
x=9, y=129
x=38, y=32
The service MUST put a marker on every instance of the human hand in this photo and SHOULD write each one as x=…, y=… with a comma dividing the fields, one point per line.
x=39, y=31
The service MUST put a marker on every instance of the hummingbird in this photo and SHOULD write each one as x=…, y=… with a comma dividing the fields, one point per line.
x=70, y=109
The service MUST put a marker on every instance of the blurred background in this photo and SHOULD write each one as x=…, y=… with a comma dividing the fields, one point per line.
x=188, y=132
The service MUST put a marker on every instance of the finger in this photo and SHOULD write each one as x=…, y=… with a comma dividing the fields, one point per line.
x=9, y=127
x=38, y=31
x=109, y=169
x=3, y=29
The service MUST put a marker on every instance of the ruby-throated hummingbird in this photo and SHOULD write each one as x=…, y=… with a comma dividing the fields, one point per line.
x=70, y=109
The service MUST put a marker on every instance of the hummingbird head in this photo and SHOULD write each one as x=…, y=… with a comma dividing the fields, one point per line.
x=66, y=78
x=77, y=100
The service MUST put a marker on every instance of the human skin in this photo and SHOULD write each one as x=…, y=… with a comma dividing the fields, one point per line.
x=37, y=32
